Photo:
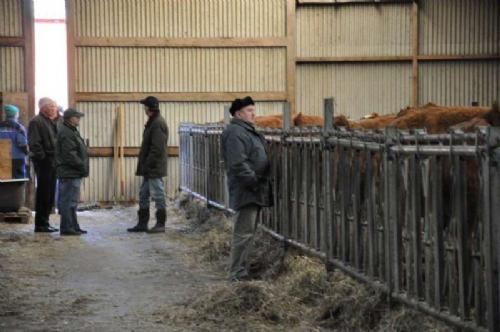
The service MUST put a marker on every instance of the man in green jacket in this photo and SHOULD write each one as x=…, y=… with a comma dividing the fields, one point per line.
x=72, y=164
x=152, y=166
x=249, y=180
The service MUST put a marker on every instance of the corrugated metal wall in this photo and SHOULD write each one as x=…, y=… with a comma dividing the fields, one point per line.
x=448, y=27
x=459, y=83
x=358, y=88
x=353, y=30
x=11, y=58
x=11, y=69
x=162, y=69
x=180, y=19
x=105, y=69
x=459, y=27
x=11, y=23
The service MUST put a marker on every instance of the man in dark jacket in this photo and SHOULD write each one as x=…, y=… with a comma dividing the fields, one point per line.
x=42, y=133
x=152, y=166
x=72, y=164
x=248, y=171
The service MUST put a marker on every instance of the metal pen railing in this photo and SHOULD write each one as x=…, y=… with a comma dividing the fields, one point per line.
x=412, y=214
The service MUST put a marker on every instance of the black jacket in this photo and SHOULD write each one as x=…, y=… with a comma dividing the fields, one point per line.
x=153, y=155
x=42, y=133
x=247, y=165
x=72, y=159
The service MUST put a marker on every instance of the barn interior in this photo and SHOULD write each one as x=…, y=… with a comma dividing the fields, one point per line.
x=381, y=118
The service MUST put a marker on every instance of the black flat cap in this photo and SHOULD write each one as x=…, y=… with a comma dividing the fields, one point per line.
x=151, y=102
x=71, y=112
x=240, y=103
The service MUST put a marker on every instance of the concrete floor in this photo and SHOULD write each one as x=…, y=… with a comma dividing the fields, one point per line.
x=107, y=280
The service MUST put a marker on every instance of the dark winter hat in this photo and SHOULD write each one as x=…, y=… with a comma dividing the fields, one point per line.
x=240, y=103
x=151, y=102
x=71, y=112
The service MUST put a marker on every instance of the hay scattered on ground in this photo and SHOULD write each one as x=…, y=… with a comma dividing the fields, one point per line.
x=290, y=291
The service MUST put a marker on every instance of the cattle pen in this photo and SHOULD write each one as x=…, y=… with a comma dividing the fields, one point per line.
x=412, y=214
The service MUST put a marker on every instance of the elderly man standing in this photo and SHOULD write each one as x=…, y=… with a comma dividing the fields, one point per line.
x=42, y=132
x=152, y=166
x=248, y=171
x=14, y=131
x=72, y=165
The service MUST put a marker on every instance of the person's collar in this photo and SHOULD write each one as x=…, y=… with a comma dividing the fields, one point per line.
x=243, y=123
x=68, y=124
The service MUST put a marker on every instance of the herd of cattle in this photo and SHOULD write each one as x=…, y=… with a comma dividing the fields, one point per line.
x=434, y=118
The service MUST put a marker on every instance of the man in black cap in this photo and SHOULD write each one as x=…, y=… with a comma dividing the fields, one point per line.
x=249, y=180
x=152, y=166
x=72, y=164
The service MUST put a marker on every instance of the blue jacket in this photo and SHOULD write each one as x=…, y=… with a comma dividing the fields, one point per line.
x=14, y=131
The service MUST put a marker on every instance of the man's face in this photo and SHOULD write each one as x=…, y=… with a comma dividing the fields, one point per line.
x=147, y=111
x=247, y=114
x=74, y=121
x=50, y=110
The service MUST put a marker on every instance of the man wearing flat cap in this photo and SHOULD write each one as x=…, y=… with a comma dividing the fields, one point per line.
x=72, y=164
x=42, y=135
x=249, y=181
x=152, y=166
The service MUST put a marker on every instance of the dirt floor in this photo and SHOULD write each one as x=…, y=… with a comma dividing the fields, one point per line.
x=107, y=280
x=110, y=280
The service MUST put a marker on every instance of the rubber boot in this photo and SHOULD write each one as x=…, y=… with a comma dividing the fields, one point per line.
x=161, y=217
x=142, y=225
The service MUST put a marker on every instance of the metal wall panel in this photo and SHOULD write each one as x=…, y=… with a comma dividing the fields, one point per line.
x=353, y=30
x=459, y=27
x=99, y=186
x=98, y=123
x=11, y=69
x=11, y=18
x=459, y=83
x=359, y=89
x=180, y=18
x=111, y=69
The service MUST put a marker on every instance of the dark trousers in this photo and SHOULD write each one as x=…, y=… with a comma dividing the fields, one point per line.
x=69, y=194
x=45, y=191
x=18, y=168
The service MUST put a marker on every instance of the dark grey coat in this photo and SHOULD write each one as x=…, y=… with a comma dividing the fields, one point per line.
x=153, y=155
x=72, y=159
x=247, y=165
x=42, y=134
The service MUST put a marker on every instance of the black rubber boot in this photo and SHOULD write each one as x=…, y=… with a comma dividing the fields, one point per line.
x=142, y=225
x=161, y=218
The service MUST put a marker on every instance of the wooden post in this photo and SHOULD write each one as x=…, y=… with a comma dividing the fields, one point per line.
x=415, y=50
x=70, y=36
x=291, y=54
x=29, y=54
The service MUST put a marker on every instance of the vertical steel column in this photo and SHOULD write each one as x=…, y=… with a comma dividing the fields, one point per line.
x=286, y=176
x=489, y=164
x=326, y=238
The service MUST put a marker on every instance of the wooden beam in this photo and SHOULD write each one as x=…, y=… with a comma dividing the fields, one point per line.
x=459, y=57
x=327, y=59
x=403, y=58
x=181, y=42
x=291, y=54
x=173, y=151
x=178, y=96
x=70, y=36
x=414, y=47
x=29, y=54
x=340, y=2
x=12, y=41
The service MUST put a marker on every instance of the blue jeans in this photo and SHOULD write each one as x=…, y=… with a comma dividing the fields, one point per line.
x=69, y=194
x=152, y=188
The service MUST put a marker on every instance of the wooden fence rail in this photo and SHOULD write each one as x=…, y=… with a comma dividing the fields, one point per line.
x=415, y=215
